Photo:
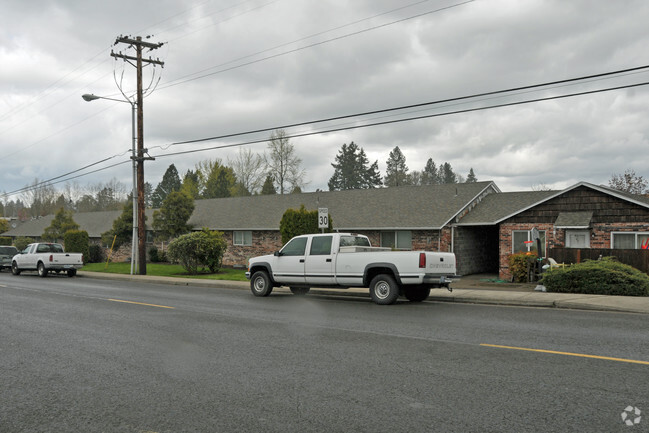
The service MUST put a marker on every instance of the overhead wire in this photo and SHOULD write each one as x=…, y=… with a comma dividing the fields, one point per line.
x=183, y=80
x=359, y=126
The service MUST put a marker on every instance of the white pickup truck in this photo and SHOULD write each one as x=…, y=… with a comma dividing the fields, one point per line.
x=344, y=260
x=46, y=257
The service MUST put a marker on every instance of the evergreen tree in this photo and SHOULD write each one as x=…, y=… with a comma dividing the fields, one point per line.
x=171, y=219
x=269, y=186
x=446, y=174
x=122, y=230
x=430, y=175
x=219, y=183
x=61, y=223
x=352, y=170
x=190, y=184
x=170, y=182
x=396, y=171
x=471, y=177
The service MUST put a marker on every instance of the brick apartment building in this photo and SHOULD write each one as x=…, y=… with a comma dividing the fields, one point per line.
x=476, y=221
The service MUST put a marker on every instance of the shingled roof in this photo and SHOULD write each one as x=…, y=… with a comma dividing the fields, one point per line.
x=95, y=223
x=408, y=207
x=495, y=208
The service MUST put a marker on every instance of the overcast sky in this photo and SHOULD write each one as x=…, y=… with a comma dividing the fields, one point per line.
x=233, y=66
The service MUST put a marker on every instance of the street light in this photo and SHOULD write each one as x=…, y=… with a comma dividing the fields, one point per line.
x=90, y=97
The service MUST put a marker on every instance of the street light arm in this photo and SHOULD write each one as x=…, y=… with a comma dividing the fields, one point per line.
x=89, y=97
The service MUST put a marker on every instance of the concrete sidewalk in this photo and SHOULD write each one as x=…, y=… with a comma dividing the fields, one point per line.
x=475, y=289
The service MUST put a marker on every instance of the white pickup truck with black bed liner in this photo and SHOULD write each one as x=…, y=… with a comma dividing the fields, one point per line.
x=46, y=257
x=344, y=260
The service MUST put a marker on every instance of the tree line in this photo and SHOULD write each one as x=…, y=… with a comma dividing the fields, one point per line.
x=279, y=170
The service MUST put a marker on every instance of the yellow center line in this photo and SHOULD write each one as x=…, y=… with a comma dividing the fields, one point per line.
x=554, y=352
x=141, y=303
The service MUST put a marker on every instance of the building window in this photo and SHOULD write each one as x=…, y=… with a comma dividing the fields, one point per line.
x=242, y=238
x=400, y=239
x=630, y=240
x=520, y=239
x=577, y=238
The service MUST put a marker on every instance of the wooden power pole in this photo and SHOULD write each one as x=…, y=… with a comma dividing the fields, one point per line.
x=139, y=44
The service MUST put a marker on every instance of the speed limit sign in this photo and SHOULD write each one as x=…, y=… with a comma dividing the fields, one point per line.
x=323, y=217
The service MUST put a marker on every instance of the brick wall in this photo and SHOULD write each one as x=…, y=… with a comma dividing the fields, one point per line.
x=555, y=237
x=476, y=249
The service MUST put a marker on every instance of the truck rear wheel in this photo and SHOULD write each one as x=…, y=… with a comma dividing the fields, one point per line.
x=260, y=284
x=42, y=272
x=416, y=293
x=72, y=273
x=384, y=290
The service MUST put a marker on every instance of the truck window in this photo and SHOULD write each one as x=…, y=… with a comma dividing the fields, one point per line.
x=295, y=247
x=57, y=248
x=354, y=241
x=321, y=245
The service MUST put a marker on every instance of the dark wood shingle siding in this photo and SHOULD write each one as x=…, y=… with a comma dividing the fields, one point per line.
x=607, y=209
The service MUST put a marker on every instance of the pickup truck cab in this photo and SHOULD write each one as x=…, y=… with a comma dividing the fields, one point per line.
x=344, y=260
x=46, y=257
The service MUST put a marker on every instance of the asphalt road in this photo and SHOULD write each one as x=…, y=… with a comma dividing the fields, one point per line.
x=89, y=355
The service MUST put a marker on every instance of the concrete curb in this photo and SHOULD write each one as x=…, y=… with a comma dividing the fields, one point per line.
x=627, y=304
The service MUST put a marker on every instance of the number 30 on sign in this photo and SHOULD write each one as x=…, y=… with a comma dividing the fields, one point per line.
x=323, y=217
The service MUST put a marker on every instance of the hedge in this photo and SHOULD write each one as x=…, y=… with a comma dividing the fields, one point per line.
x=598, y=277
x=77, y=241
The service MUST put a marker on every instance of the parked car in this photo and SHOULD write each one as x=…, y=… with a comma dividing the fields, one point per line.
x=6, y=254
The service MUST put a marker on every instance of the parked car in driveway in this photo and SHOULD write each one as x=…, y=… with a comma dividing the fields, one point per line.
x=6, y=254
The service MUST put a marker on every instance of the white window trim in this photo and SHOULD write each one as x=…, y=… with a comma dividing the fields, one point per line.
x=585, y=232
x=636, y=234
x=544, y=244
x=243, y=236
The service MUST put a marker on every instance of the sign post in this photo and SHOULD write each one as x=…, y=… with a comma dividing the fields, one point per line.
x=323, y=218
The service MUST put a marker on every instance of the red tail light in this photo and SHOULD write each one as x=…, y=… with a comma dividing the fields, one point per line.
x=422, y=260
x=51, y=258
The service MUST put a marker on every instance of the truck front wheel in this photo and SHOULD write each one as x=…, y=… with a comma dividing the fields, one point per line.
x=260, y=284
x=384, y=289
x=15, y=269
x=416, y=293
x=42, y=272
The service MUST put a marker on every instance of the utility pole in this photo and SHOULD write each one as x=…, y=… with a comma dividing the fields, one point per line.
x=139, y=44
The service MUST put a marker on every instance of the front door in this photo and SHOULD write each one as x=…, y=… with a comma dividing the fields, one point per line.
x=319, y=267
x=289, y=266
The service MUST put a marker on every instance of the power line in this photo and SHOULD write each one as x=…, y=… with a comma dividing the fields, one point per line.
x=409, y=119
x=338, y=129
x=182, y=80
x=421, y=104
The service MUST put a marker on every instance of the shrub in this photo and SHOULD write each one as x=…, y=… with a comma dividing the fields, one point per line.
x=21, y=242
x=156, y=256
x=518, y=264
x=297, y=222
x=77, y=241
x=4, y=240
x=204, y=248
x=95, y=254
x=598, y=277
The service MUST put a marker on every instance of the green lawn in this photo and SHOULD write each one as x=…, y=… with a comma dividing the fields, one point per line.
x=167, y=270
